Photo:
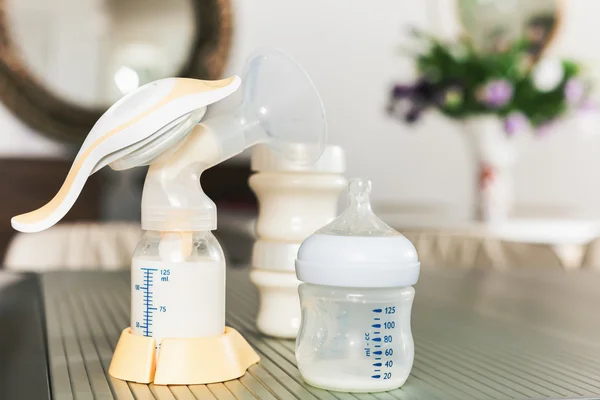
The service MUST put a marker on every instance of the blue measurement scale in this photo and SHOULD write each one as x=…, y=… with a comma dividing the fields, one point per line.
x=147, y=289
x=148, y=306
x=171, y=300
x=380, y=339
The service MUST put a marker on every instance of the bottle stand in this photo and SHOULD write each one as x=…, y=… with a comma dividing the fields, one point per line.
x=182, y=361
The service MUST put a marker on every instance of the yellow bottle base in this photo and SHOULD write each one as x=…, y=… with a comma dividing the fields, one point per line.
x=182, y=361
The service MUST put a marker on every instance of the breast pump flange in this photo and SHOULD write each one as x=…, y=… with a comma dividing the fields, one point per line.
x=158, y=125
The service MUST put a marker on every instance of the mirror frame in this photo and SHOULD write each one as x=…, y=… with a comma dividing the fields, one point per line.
x=62, y=120
x=560, y=10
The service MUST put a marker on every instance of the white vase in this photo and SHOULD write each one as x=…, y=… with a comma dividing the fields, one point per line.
x=496, y=154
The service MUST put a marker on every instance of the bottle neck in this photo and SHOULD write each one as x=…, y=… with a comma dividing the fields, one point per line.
x=184, y=246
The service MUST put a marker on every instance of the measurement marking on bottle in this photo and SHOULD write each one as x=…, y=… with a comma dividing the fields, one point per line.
x=148, y=296
x=385, y=342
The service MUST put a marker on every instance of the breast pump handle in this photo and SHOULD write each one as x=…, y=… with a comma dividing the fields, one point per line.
x=132, y=123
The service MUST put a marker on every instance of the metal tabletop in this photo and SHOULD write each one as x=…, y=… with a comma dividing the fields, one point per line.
x=479, y=334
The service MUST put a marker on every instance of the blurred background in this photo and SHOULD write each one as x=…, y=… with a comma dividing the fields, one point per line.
x=423, y=96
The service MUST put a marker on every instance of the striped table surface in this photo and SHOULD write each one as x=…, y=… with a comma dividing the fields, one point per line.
x=479, y=334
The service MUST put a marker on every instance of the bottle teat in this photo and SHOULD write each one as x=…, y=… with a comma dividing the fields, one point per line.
x=358, y=219
x=357, y=249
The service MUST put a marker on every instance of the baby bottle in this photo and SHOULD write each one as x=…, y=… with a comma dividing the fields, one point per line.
x=356, y=300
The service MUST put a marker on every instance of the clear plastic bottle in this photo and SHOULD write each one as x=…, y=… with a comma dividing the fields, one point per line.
x=178, y=285
x=356, y=301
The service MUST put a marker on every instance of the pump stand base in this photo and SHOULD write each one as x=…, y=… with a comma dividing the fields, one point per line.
x=182, y=361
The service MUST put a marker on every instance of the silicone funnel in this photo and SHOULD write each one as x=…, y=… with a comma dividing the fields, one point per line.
x=281, y=107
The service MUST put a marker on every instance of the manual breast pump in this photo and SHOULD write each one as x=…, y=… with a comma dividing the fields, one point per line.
x=178, y=333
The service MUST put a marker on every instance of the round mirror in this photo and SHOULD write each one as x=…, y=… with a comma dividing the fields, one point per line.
x=64, y=62
x=493, y=24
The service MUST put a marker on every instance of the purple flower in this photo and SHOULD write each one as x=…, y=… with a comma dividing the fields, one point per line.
x=496, y=93
x=411, y=101
x=515, y=122
x=413, y=114
x=574, y=91
x=400, y=92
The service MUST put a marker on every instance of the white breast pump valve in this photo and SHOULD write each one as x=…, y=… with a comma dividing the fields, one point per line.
x=178, y=333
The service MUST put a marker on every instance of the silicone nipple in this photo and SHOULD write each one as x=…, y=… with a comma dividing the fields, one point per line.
x=358, y=219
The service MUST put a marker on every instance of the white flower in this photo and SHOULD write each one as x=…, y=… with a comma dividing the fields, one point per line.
x=548, y=74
